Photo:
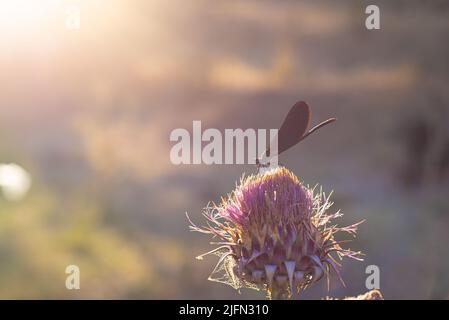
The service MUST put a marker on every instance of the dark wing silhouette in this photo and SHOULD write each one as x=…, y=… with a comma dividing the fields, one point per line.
x=293, y=128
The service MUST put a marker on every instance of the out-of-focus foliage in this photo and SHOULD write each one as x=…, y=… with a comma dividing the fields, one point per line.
x=88, y=114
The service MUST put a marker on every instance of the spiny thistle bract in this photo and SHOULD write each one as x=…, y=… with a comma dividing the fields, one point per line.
x=274, y=234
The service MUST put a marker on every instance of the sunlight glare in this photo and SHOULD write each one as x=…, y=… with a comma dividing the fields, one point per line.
x=14, y=181
x=24, y=16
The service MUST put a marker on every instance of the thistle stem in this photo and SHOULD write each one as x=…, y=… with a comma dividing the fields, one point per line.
x=278, y=294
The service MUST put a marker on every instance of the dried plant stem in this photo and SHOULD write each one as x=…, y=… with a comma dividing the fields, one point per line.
x=277, y=294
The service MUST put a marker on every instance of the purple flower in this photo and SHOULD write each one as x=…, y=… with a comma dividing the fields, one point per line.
x=274, y=235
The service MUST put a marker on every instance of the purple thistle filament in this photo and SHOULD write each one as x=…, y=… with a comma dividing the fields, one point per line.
x=275, y=235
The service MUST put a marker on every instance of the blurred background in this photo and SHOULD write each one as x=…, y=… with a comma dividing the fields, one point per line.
x=85, y=117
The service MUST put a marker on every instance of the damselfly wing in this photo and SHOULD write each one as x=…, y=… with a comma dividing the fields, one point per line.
x=293, y=129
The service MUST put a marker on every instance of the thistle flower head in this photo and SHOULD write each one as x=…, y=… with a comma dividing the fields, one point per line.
x=275, y=235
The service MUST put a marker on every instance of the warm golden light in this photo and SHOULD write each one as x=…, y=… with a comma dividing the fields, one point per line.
x=14, y=181
x=18, y=16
